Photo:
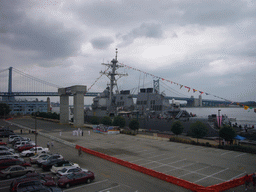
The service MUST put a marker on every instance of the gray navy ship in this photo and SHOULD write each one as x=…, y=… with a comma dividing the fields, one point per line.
x=148, y=103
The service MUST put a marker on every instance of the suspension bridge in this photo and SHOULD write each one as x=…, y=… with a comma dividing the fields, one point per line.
x=15, y=83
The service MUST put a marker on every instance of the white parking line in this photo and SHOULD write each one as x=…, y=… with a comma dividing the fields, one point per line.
x=211, y=175
x=110, y=188
x=167, y=158
x=238, y=176
x=226, y=153
x=136, y=160
x=194, y=171
x=176, y=161
x=240, y=154
x=156, y=156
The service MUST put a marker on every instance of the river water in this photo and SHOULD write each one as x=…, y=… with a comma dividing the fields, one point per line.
x=242, y=116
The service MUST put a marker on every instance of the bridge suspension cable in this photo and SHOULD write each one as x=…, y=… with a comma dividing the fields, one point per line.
x=36, y=79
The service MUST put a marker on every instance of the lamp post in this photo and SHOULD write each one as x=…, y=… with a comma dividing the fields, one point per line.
x=36, y=113
x=219, y=124
x=4, y=113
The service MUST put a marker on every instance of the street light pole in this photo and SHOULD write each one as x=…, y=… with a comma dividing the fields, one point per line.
x=219, y=124
x=35, y=130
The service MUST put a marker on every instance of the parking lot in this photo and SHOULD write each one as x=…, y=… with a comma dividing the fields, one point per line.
x=201, y=165
x=108, y=176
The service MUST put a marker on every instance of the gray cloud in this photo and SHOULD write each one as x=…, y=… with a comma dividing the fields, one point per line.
x=47, y=39
x=148, y=30
x=102, y=42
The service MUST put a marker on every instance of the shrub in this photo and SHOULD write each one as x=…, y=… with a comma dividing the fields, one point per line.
x=95, y=120
x=106, y=121
x=119, y=121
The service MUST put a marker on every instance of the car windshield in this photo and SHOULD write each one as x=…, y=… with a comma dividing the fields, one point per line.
x=70, y=176
x=44, y=158
x=63, y=170
x=8, y=168
x=37, y=155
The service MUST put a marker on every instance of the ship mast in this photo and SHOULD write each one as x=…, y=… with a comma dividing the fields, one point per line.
x=111, y=75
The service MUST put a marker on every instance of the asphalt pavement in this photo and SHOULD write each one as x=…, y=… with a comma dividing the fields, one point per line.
x=201, y=165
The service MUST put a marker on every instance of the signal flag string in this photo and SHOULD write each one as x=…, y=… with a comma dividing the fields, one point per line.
x=181, y=86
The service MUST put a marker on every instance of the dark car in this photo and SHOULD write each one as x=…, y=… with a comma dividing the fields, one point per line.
x=33, y=178
x=48, y=164
x=6, y=133
x=25, y=147
x=4, y=163
x=36, y=187
x=76, y=178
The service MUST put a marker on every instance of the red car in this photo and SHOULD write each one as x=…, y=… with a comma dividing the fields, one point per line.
x=25, y=147
x=4, y=163
x=76, y=178
x=46, y=180
x=3, y=143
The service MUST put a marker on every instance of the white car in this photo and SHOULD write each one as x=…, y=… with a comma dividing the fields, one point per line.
x=9, y=154
x=69, y=170
x=39, y=156
x=12, y=137
x=33, y=151
x=57, y=167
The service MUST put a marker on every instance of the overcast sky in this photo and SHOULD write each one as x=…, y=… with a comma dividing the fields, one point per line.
x=205, y=45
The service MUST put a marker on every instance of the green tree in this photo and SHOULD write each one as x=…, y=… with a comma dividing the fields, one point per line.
x=119, y=121
x=134, y=124
x=95, y=120
x=177, y=128
x=4, y=109
x=227, y=133
x=106, y=121
x=198, y=130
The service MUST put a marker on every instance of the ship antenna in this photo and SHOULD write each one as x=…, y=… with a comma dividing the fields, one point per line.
x=116, y=53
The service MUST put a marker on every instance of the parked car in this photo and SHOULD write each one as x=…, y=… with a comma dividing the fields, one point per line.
x=25, y=147
x=6, y=133
x=4, y=163
x=69, y=170
x=38, y=156
x=18, y=139
x=9, y=154
x=22, y=143
x=76, y=178
x=48, y=164
x=3, y=143
x=64, y=164
x=23, y=183
x=54, y=156
x=32, y=187
x=5, y=148
x=15, y=170
x=33, y=151
x=12, y=137
x=44, y=179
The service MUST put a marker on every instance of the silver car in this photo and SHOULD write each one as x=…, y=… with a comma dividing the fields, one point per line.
x=69, y=170
x=38, y=157
x=15, y=171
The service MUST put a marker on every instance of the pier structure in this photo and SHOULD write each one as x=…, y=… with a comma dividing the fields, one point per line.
x=78, y=92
